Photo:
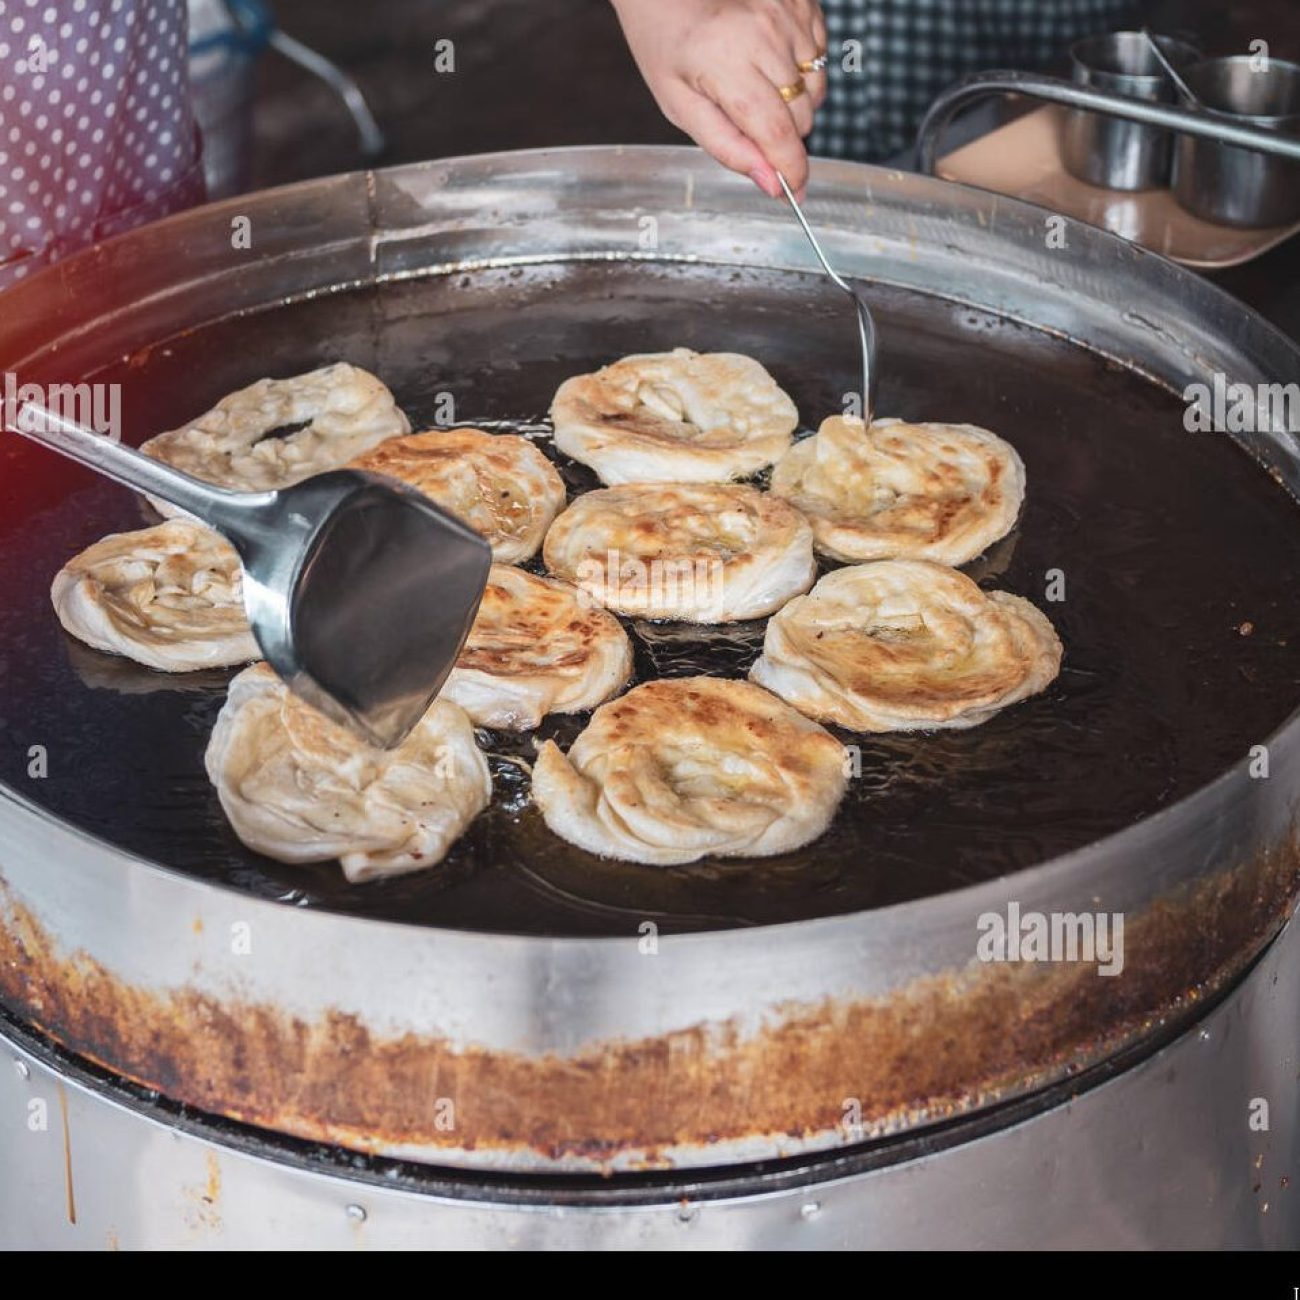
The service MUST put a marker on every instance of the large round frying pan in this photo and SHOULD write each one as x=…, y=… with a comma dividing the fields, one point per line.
x=526, y=1005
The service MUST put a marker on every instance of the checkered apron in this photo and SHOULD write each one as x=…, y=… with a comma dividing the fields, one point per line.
x=889, y=59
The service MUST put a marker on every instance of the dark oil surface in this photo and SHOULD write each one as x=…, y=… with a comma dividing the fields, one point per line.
x=1169, y=542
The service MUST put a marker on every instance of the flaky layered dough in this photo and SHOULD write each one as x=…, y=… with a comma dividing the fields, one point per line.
x=342, y=411
x=904, y=644
x=675, y=417
x=941, y=492
x=536, y=647
x=700, y=552
x=168, y=597
x=299, y=788
x=498, y=483
x=686, y=767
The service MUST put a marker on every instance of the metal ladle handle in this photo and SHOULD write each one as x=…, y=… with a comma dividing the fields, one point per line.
x=1209, y=126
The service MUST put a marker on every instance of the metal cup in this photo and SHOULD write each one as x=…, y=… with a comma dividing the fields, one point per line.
x=1225, y=183
x=1107, y=151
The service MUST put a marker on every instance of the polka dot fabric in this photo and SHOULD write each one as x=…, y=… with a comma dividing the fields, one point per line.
x=96, y=129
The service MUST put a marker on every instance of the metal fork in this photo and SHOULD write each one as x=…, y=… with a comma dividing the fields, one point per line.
x=866, y=326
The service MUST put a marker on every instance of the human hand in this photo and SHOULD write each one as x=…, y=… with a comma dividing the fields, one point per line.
x=715, y=68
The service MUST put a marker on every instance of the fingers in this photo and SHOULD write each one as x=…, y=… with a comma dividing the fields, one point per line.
x=817, y=82
x=808, y=41
x=819, y=32
x=717, y=71
x=750, y=99
x=801, y=109
x=777, y=67
x=802, y=34
x=790, y=43
x=779, y=70
x=719, y=136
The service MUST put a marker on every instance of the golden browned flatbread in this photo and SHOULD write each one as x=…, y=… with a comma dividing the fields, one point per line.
x=941, y=492
x=300, y=788
x=498, y=483
x=342, y=410
x=700, y=552
x=904, y=644
x=674, y=417
x=679, y=769
x=537, y=647
x=168, y=597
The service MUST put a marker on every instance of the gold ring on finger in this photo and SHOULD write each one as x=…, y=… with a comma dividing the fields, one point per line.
x=792, y=92
x=816, y=64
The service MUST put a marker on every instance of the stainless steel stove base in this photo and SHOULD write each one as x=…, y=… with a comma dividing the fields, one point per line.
x=1197, y=1145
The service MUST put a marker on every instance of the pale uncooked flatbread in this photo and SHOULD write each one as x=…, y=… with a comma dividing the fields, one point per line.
x=691, y=766
x=498, y=483
x=169, y=597
x=699, y=552
x=299, y=788
x=901, y=645
x=674, y=417
x=343, y=411
x=941, y=492
x=537, y=647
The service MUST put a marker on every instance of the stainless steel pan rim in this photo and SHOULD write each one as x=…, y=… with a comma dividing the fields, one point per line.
x=143, y=928
x=971, y=900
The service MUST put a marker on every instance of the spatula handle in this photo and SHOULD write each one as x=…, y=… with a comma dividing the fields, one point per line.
x=120, y=463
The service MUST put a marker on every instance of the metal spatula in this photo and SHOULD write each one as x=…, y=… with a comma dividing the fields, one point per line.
x=360, y=590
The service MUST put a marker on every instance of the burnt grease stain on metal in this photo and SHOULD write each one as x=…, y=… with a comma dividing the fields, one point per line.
x=1167, y=541
x=936, y=1049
